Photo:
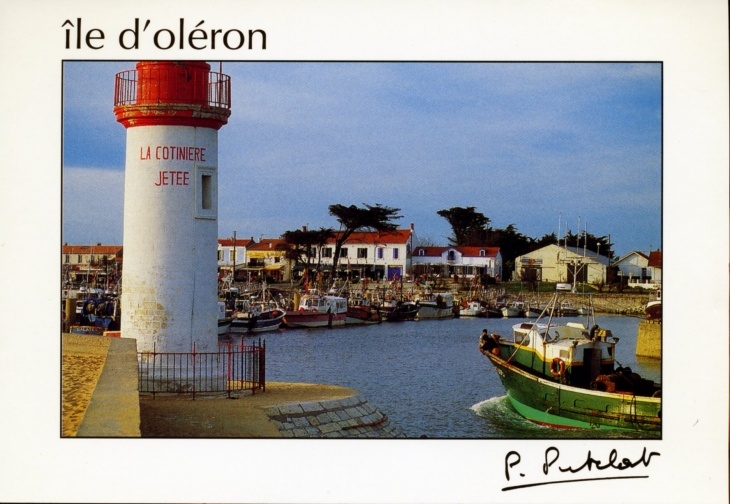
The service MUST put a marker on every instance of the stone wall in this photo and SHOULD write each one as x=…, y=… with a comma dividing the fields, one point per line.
x=351, y=417
x=649, y=340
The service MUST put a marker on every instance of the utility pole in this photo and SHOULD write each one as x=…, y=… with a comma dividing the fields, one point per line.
x=233, y=281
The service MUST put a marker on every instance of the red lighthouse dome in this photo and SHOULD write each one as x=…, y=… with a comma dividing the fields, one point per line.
x=172, y=93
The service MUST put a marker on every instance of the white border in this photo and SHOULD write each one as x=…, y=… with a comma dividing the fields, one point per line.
x=690, y=38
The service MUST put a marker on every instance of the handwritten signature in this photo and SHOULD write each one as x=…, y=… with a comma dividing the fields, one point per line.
x=552, y=454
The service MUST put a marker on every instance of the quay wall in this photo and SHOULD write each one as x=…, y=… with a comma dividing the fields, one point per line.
x=100, y=397
x=622, y=304
x=649, y=340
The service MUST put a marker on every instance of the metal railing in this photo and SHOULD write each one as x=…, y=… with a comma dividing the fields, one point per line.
x=212, y=89
x=234, y=367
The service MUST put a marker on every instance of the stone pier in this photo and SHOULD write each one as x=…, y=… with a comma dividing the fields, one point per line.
x=649, y=340
x=350, y=417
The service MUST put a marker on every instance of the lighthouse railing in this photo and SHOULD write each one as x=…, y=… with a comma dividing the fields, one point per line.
x=233, y=368
x=217, y=92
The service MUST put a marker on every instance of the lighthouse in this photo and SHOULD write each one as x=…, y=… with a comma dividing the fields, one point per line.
x=172, y=112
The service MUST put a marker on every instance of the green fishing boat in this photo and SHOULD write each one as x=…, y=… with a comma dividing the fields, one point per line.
x=564, y=375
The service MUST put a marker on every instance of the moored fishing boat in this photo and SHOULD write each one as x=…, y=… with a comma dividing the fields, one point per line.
x=398, y=311
x=653, y=308
x=316, y=310
x=253, y=317
x=472, y=309
x=224, y=321
x=532, y=310
x=513, y=309
x=563, y=375
x=566, y=309
x=359, y=312
x=436, y=305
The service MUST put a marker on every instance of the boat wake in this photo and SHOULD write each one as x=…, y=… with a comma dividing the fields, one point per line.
x=503, y=421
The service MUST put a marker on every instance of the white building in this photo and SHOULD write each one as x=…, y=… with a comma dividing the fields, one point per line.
x=561, y=264
x=230, y=254
x=461, y=261
x=376, y=254
x=633, y=266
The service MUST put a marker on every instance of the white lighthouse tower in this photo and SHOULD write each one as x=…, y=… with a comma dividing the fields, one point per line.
x=172, y=112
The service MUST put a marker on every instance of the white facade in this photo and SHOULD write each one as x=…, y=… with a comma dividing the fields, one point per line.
x=379, y=254
x=169, y=297
x=561, y=264
x=228, y=255
x=633, y=265
x=463, y=261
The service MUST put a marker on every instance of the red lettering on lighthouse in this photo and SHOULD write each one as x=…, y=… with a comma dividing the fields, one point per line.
x=173, y=178
x=142, y=155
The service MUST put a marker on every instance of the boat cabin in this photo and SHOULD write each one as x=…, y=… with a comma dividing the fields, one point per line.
x=569, y=349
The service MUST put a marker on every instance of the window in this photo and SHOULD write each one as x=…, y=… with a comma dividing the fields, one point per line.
x=207, y=189
x=206, y=193
x=421, y=252
x=482, y=253
x=362, y=253
x=380, y=252
x=395, y=253
x=343, y=252
x=79, y=261
x=67, y=259
x=327, y=252
x=451, y=255
x=220, y=255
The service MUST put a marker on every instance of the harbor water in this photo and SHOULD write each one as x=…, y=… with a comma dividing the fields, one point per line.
x=429, y=376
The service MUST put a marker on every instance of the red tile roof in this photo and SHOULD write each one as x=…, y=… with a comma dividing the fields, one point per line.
x=240, y=242
x=655, y=259
x=265, y=244
x=474, y=251
x=91, y=249
x=465, y=251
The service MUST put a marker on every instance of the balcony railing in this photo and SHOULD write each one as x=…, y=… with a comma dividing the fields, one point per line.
x=211, y=89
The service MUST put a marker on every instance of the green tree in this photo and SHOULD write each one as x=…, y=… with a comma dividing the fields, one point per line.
x=591, y=243
x=300, y=244
x=353, y=218
x=511, y=244
x=469, y=227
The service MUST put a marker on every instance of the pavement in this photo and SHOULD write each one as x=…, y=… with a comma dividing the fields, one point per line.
x=284, y=410
x=100, y=399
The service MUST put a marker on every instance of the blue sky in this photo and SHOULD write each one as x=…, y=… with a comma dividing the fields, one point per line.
x=521, y=142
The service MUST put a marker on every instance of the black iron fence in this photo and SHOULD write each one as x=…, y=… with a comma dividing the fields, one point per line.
x=234, y=367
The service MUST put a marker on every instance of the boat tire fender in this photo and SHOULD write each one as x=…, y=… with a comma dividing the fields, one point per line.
x=557, y=367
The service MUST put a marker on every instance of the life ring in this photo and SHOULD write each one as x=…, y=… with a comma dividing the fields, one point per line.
x=557, y=367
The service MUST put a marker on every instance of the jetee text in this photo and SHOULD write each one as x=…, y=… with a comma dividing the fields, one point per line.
x=173, y=178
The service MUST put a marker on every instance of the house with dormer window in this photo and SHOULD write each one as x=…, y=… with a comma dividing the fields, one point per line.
x=461, y=261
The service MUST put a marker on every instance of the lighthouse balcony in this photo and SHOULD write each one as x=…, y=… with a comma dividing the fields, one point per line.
x=169, y=82
x=169, y=92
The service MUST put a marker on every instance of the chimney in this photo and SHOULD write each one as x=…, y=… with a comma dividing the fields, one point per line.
x=304, y=229
x=411, y=227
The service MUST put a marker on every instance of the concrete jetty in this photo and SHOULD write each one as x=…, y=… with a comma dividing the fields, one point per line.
x=100, y=399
